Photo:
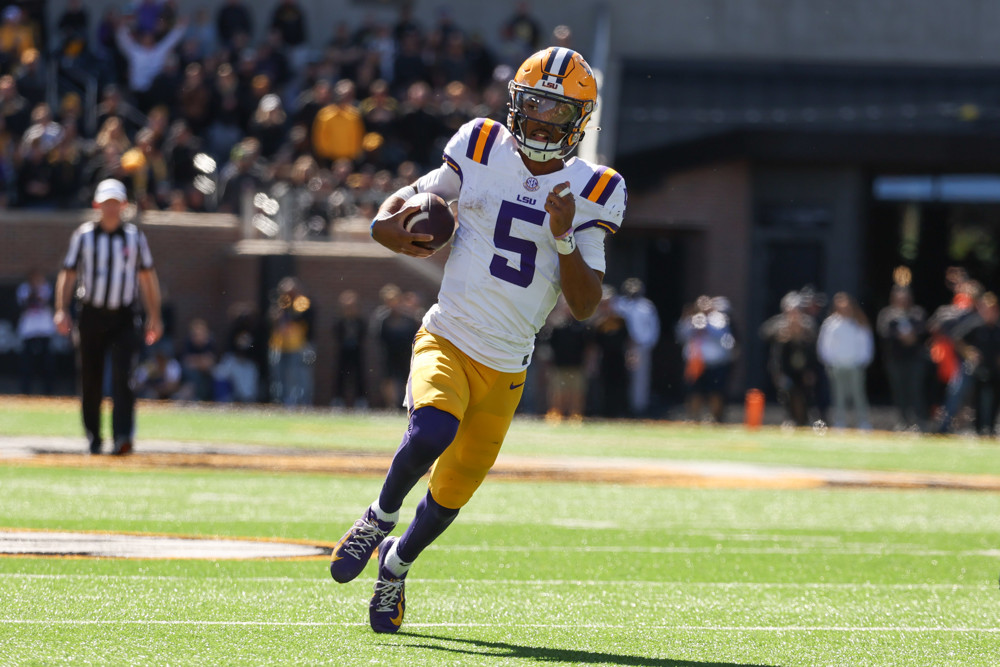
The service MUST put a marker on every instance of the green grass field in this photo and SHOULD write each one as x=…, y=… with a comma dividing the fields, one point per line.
x=380, y=432
x=530, y=573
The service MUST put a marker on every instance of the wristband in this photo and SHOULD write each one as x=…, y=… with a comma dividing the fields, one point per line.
x=566, y=244
x=378, y=217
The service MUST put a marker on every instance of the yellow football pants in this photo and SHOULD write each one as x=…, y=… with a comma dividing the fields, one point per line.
x=482, y=399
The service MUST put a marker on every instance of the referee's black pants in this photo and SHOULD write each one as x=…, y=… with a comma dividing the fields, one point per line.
x=117, y=332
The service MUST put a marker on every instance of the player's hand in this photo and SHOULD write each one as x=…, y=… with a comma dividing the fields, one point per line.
x=154, y=329
x=390, y=233
x=63, y=322
x=561, y=208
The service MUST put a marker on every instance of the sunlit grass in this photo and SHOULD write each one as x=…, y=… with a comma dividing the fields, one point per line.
x=553, y=573
x=329, y=430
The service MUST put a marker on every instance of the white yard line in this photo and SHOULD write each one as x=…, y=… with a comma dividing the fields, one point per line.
x=540, y=626
x=323, y=581
x=167, y=548
x=824, y=550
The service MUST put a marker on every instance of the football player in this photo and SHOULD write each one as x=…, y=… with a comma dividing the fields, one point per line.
x=531, y=224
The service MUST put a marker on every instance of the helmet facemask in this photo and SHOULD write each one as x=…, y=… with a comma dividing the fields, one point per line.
x=564, y=116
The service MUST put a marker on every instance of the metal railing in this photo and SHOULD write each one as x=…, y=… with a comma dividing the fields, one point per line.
x=61, y=80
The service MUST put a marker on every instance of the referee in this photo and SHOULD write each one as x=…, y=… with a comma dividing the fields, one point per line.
x=113, y=264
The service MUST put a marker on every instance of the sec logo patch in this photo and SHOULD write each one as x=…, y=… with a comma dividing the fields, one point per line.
x=531, y=184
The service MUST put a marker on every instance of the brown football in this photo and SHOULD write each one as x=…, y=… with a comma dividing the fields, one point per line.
x=433, y=217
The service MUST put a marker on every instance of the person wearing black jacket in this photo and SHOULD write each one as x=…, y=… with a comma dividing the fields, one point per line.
x=902, y=329
x=980, y=348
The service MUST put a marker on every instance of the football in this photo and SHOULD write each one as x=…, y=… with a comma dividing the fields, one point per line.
x=433, y=217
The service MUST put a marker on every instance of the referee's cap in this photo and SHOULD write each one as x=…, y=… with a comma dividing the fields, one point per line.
x=110, y=188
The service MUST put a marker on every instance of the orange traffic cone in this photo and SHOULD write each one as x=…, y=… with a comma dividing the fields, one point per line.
x=754, y=409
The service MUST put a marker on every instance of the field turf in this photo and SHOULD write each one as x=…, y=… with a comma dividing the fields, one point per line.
x=531, y=572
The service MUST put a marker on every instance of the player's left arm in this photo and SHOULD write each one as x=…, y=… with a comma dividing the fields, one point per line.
x=149, y=286
x=581, y=284
x=387, y=227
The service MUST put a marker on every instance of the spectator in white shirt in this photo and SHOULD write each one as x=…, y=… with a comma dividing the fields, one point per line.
x=846, y=346
x=146, y=57
x=643, y=323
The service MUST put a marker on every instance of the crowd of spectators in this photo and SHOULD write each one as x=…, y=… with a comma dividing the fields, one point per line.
x=193, y=114
x=582, y=369
x=943, y=370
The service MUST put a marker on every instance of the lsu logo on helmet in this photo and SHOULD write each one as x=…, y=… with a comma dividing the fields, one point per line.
x=556, y=87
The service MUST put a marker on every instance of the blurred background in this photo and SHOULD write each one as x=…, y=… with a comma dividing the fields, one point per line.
x=776, y=152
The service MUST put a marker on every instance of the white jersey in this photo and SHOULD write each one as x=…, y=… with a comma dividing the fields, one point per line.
x=502, y=278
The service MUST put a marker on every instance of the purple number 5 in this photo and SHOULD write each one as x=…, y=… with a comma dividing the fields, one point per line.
x=500, y=267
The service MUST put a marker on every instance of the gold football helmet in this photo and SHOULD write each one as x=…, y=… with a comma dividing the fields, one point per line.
x=554, y=87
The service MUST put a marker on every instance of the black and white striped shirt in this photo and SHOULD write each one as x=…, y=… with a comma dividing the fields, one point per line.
x=107, y=264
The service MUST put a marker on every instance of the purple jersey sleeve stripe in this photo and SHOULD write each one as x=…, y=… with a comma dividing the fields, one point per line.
x=609, y=188
x=470, y=152
x=454, y=166
x=490, y=140
x=609, y=227
x=592, y=183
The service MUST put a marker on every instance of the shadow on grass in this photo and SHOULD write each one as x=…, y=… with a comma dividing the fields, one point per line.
x=540, y=654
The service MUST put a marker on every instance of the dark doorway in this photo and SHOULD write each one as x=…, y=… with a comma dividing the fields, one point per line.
x=666, y=262
x=789, y=265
